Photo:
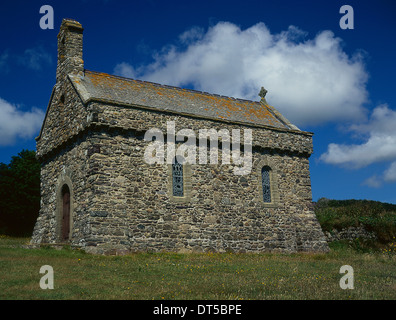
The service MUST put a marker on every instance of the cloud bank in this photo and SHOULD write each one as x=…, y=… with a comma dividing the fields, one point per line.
x=15, y=123
x=379, y=146
x=310, y=81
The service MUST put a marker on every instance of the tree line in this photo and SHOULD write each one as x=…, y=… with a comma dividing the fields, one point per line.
x=19, y=194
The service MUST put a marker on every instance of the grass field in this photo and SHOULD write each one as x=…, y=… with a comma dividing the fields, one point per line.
x=171, y=276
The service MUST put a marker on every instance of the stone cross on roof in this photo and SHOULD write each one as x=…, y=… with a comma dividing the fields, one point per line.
x=262, y=94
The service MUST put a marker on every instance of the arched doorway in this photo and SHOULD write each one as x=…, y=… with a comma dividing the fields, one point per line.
x=65, y=230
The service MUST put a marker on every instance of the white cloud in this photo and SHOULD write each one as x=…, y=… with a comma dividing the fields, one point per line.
x=35, y=58
x=126, y=70
x=379, y=146
x=310, y=82
x=15, y=123
x=390, y=173
x=374, y=182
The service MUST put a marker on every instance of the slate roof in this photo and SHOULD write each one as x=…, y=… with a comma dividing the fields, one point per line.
x=94, y=86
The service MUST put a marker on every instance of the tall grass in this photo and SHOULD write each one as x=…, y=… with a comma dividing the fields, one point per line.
x=164, y=276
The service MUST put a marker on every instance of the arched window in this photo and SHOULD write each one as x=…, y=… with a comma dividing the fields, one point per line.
x=65, y=213
x=266, y=182
x=177, y=179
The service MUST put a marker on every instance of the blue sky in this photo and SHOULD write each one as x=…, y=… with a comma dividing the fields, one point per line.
x=339, y=84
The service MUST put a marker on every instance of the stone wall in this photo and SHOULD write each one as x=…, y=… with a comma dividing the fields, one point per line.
x=132, y=207
x=350, y=233
x=66, y=118
x=142, y=120
x=69, y=167
x=123, y=204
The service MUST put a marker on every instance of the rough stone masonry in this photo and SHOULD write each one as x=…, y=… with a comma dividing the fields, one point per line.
x=98, y=193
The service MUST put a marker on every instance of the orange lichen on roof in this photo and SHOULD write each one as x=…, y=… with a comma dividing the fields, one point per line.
x=130, y=91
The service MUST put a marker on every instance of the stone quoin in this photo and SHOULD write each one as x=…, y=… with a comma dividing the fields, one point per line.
x=98, y=193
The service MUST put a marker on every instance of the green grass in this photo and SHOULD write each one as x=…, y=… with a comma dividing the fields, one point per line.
x=171, y=276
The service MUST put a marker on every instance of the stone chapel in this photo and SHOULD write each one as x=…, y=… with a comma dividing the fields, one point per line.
x=99, y=193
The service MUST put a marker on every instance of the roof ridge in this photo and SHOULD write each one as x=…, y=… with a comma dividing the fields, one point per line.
x=171, y=87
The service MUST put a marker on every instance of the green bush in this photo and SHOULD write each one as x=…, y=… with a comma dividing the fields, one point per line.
x=374, y=216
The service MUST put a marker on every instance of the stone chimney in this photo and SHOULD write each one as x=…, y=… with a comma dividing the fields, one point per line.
x=70, y=49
